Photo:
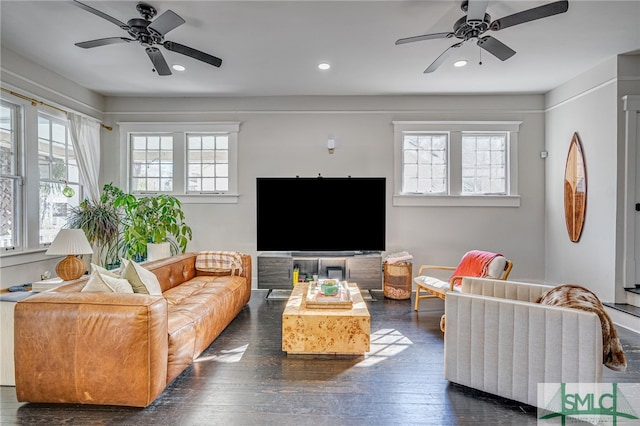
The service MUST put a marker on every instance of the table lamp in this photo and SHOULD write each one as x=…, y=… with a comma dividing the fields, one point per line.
x=70, y=242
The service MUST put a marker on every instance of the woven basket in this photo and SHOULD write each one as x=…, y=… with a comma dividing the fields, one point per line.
x=397, y=280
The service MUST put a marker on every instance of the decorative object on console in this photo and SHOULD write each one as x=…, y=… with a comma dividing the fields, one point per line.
x=70, y=242
x=575, y=189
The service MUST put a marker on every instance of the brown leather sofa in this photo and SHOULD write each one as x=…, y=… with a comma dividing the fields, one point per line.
x=122, y=349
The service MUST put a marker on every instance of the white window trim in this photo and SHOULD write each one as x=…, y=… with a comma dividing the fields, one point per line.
x=455, y=129
x=180, y=131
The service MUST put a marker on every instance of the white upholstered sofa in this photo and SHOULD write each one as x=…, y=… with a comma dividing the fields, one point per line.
x=498, y=340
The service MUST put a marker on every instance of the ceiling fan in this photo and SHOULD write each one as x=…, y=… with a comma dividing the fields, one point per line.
x=477, y=22
x=149, y=34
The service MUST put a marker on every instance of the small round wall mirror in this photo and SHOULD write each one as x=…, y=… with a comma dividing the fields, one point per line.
x=575, y=189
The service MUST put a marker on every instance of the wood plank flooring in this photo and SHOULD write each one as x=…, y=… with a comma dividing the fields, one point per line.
x=244, y=378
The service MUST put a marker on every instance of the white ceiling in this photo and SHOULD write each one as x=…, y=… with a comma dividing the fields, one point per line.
x=273, y=47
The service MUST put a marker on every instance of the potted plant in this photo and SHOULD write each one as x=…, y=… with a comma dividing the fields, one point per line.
x=100, y=221
x=152, y=220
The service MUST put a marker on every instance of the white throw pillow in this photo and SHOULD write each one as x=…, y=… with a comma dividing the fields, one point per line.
x=142, y=280
x=496, y=267
x=104, y=271
x=106, y=283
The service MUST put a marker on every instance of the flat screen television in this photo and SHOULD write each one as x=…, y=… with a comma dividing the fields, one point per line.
x=322, y=214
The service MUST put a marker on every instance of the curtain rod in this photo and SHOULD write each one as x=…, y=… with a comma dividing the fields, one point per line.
x=35, y=102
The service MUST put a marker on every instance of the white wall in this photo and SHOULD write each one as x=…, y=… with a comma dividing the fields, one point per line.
x=25, y=77
x=287, y=137
x=590, y=105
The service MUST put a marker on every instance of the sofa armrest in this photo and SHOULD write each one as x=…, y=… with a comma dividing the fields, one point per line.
x=91, y=348
x=503, y=289
x=506, y=347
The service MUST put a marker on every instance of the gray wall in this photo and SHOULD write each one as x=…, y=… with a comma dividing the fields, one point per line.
x=287, y=137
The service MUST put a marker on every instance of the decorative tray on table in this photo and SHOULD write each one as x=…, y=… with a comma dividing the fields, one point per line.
x=328, y=294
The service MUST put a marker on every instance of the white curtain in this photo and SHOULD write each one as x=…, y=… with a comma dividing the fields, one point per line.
x=85, y=137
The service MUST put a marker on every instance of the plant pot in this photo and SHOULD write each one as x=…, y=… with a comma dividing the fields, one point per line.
x=158, y=250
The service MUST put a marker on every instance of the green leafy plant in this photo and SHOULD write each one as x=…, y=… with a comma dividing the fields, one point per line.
x=100, y=221
x=152, y=219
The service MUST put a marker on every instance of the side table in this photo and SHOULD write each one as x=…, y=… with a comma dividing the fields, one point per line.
x=8, y=302
x=7, y=307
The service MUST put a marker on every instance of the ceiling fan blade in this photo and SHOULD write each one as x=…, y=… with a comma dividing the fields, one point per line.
x=530, y=15
x=496, y=47
x=103, y=42
x=443, y=56
x=424, y=37
x=165, y=23
x=189, y=51
x=476, y=10
x=101, y=14
x=159, y=63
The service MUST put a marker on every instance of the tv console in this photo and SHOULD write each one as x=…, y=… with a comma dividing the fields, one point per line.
x=275, y=269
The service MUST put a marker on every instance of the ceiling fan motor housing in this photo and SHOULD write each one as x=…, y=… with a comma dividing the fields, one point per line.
x=465, y=29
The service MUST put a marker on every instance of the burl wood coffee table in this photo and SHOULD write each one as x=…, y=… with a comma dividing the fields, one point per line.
x=326, y=331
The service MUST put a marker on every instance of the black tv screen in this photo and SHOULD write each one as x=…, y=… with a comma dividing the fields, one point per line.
x=323, y=214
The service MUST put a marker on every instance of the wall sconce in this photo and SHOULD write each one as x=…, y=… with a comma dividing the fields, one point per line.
x=331, y=144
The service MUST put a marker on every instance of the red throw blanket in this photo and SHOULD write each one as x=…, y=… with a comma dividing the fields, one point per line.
x=474, y=263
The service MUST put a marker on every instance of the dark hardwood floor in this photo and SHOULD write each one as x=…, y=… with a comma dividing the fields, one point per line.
x=244, y=378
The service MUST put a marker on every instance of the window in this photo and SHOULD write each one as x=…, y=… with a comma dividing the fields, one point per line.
x=195, y=161
x=207, y=163
x=451, y=163
x=425, y=163
x=58, y=169
x=10, y=180
x=484, y=163
x=151, y=163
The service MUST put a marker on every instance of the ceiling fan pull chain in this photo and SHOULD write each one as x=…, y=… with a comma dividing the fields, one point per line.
x=480, y=63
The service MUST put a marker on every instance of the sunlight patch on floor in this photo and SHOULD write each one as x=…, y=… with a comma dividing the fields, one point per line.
x=385, y=343
x=227, y=356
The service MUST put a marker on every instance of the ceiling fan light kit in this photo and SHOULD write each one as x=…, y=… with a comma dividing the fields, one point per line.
x=149, y=33
x=477, y=22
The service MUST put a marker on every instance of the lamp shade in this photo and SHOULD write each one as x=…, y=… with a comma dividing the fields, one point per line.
x=70, y=241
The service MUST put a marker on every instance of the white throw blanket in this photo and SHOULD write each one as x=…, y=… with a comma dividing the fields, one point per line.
x=399, y=257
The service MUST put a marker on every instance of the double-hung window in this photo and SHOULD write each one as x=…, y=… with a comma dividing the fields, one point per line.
x=455, y=163
x=484, y=163
x=197, y=161
x=10, y=179
x=207, y=162
x=151, y=163
x=59, y=175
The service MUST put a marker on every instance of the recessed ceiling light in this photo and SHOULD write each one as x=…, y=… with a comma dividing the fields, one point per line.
x=324, y=66
x=460, y=63
x=178, y=67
